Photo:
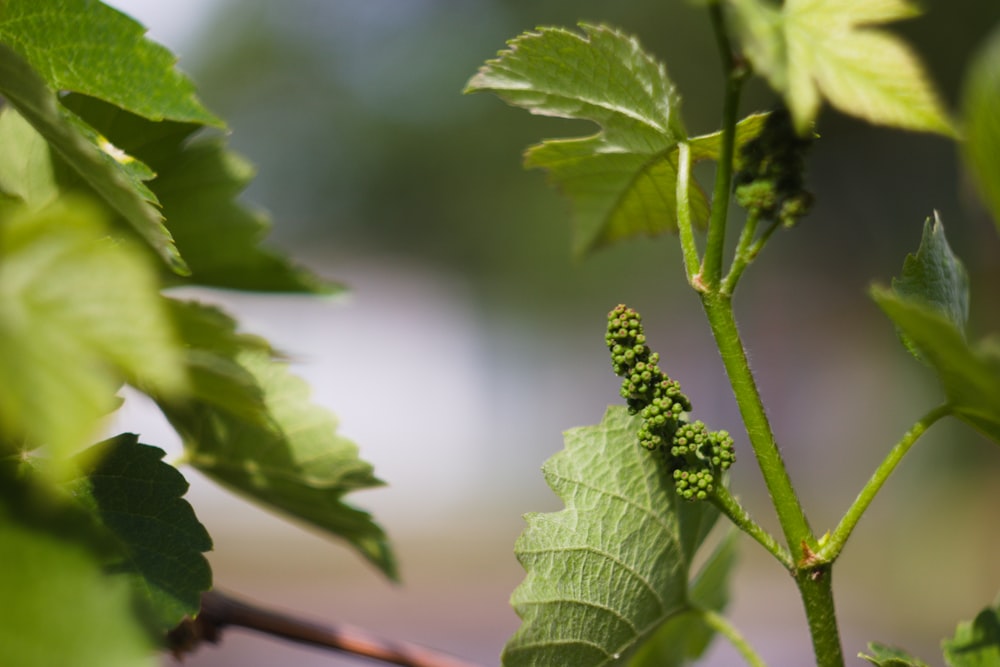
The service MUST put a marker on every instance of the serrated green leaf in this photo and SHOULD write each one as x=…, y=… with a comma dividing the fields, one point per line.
x=79, y=314
x=709, y=146
x=211, y=347
x=684, y=638
x=138, y=498
x=935, y=276
x=622, y=181
x=198, y=185
x=115, y=176
x=981, y=120
x=300, y=467
x=976, y=643
x=889, y=656
x=813, y=49
x=969, y=374
x=90, y=48
x=59, y=607
x=604, y=573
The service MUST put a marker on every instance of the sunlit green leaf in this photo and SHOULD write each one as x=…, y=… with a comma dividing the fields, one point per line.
x=139, y=500
x=79, y=314
x=935, y=276
x=59, y=607
x=814, y=49
x=622, y=180
x=301, y=466
x=976, y=643
x=889, y=656
x=88, y=47
x=981, y=118
x=684, y=638
x=26, y=172
x=198, y=185
x=709, y=146
x=969, y=374
x=606, y=572
x=115, y=176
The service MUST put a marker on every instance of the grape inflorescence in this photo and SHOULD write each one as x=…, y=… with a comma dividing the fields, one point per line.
x=696, y=456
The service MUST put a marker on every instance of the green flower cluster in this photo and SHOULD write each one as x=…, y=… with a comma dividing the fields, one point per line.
x=769, y=183
x=696, y=456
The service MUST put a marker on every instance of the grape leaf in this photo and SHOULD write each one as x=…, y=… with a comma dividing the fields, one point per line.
x=26, y=172
x=115, y=176
x=808, y=49
x=889, y=656
x=709, y=146
x=90, y=48
x=981, y=120
x=684, y=638
x=59, y=606
x=300, y=466
x=211, y=345
x=79, y=313
x=622, y=180
x=607, y=571
x=969, y=374
x=935, y=276
x=198, y=184
x=139, y=500
x=976, y=643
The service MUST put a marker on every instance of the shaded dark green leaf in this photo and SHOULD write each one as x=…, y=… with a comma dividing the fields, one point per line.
x=139, y=500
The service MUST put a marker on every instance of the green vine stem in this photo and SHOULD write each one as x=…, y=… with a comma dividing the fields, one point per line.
x=711, y=270
x=833, y=545
x=721, y=625
x=816, y=588
x=731, y=507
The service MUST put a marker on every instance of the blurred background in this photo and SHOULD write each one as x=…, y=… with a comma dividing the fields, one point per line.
x=380, y=174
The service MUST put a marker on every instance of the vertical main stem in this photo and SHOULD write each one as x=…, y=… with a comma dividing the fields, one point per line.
x=816, y=589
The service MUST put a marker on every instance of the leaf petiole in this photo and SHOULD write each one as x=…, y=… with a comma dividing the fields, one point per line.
x=721, y=624
x=833, y=545
x=685, y=231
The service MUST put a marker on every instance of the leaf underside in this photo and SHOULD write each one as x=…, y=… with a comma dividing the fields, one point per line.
x=607, y=571
x=622, y=180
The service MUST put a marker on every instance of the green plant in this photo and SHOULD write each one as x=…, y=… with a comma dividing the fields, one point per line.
x=609, y=578
x=115, y=185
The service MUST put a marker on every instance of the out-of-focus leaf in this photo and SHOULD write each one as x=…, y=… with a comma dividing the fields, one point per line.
x=684, y=638
x=26, y=172
x=198, y=185
x=981, y=118
x=59, y=607
x=211, y=347
x=935, y=276
x=79, y=314
x=88, y=47
x=607, y=571
x=622, y=180
x=889, y=656
x=300, y=467
x=114, y=175
x=969, y=374
x=976, y=643
x=809, y=50
x=139, y=500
